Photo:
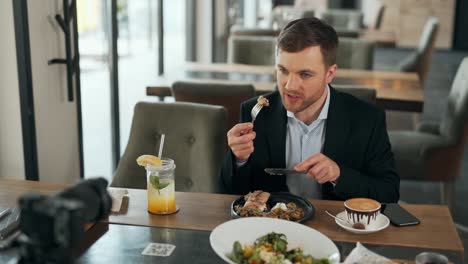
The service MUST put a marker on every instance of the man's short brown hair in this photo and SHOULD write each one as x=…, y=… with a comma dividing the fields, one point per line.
x=307, y=32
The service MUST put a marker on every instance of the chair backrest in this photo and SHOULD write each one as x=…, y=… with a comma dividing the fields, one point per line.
x=237, y=30
x=373, y=11
x=253, y=50
x=195, y=140
x=426, y=46
x=378, y=20
x=420, y=60
x=283, y=14
x=355, y=54
x=363, y=93
x=343, y=18
x=229, y=95
x=454, y=121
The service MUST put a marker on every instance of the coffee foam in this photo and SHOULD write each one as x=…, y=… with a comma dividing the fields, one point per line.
x=363, y=204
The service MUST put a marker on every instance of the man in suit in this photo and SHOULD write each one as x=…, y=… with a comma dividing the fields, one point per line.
x=337, y=144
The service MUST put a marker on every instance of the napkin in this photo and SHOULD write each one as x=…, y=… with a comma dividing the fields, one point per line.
x=117, y=197
x=361, y=254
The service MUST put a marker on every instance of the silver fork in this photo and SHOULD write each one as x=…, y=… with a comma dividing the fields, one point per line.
x=255, y=110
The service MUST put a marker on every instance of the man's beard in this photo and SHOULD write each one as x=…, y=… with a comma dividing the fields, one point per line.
x=298, y=107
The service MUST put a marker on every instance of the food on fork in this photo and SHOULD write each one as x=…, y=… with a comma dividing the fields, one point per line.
x=256, y=200
x=263, y=101
x=145, y=160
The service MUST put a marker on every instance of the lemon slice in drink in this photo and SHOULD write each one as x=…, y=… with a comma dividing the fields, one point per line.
x=145, y=160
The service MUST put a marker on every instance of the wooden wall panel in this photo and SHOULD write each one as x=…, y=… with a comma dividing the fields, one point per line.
x=407, y=18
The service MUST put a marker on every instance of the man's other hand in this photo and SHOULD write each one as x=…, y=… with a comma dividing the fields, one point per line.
x=240, y=140
x=319, y=167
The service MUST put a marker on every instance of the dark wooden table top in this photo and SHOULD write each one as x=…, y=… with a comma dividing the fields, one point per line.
x=395, y=90
x=204, y=211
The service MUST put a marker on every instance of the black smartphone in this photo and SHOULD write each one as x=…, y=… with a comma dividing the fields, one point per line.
x=398, y=215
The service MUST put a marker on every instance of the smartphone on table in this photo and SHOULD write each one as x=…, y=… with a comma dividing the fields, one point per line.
x=398, y=215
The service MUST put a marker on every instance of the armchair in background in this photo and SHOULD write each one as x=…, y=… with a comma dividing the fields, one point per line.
x=253, y=50
x=237, y=30
x=195, y=140
x=229, y=95
x=355, y=53
x=420, y=59
x=283, y=14
x=435, y=150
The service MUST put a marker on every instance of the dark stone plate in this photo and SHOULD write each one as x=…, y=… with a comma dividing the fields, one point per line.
x=281, y=197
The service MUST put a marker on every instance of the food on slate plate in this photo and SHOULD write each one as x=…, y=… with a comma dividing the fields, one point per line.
x=255, y=205
x=271, y=249
x=256, y=200
x=263, y=101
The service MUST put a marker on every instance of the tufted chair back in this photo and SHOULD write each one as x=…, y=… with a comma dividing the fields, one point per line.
x=253, y=50
x=435, y=151
x=355, y=54
x=229, y=95
x=195, y=140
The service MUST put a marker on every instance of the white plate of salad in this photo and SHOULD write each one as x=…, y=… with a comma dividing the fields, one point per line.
x=260, y=240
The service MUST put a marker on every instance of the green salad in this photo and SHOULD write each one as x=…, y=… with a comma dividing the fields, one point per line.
x=271, y=249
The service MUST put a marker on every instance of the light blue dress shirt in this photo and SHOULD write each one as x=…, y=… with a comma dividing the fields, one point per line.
x=302, y=142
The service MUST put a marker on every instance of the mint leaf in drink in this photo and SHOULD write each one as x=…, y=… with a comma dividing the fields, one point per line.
x=154, y=180
x=163, y=185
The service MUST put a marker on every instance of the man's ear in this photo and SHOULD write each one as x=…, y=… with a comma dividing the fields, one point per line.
x=331, y=73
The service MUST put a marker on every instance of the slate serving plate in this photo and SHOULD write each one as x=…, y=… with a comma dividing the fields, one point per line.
x=280, y=197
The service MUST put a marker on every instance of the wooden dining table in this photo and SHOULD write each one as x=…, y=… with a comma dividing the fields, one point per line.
x=200, y=213
x=395, y=90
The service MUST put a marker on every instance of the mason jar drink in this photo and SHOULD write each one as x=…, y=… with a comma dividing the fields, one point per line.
x=161, y=187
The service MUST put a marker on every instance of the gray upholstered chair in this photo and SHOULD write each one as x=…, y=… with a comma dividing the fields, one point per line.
x=373, y=13
x=253, y=50
x=347, y=23
x=229, y=95
x=260, y=50
x=283, y=14
x=434, y=151
x=364, y=93
x=420, y=60
x=355, y=54
x=237, y=30
x=195, y=140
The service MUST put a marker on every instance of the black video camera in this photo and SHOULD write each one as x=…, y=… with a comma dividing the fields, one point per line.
x=51, y=227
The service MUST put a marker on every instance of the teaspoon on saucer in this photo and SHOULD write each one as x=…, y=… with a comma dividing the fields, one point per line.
x=356, y=225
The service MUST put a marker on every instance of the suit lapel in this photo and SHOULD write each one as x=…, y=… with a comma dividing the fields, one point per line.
x=337, y=126
x=275, y=127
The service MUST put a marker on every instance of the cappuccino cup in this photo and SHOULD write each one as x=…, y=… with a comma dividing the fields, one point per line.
x=363, y=211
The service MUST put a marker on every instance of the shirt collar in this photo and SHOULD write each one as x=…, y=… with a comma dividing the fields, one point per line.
x=323, y=113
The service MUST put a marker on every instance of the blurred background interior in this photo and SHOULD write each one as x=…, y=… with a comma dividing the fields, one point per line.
x=64, y=118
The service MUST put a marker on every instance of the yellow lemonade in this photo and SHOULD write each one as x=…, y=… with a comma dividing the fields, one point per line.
x=162, y=201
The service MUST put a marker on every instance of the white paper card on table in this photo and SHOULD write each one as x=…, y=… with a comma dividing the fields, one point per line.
x=117, y=197
x=361, y=254
x=158, y=249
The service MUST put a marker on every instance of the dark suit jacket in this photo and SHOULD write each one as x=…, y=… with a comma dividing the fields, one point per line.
x=355, y=138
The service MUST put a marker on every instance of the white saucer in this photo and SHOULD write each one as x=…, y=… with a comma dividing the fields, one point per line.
x=381, y=223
